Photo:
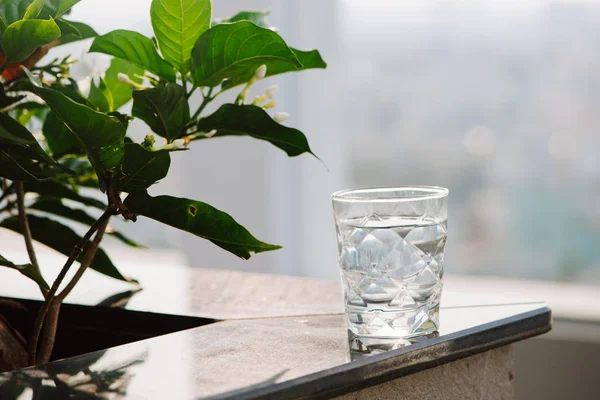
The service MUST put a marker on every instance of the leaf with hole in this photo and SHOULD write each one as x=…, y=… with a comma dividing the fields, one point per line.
x=233, y=51
x=22, y=38
x=141, y=168
x=136, y=48
x=165, y=110
x=26, y=269
x=177, y=24
x=253, y=121
x=199, y=219
x=101, y=136
x=62, y=239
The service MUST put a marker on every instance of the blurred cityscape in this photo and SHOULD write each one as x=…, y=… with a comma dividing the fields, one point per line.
x=500, y=104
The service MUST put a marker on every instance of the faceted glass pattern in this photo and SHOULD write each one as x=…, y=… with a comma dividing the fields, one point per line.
x=391, y=268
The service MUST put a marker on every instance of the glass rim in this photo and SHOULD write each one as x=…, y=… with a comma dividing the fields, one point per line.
x=428, y=193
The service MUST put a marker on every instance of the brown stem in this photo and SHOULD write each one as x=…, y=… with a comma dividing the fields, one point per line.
x=49, y=332
x=37, y=327
x=85, y=262
x=26, y=231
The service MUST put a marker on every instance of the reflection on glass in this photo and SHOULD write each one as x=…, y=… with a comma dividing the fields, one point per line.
x=81, y=377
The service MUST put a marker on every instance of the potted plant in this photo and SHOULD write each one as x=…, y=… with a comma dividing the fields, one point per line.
x=84, y=142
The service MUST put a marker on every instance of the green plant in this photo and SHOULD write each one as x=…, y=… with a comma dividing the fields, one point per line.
x=84, y=142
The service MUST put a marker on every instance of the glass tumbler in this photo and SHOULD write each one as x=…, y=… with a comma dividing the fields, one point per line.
x=391, y=254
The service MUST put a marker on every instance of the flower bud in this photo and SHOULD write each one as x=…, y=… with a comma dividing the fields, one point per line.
x=124, y=78
x=271, y=91
x=271, y=104
x=260, y=72
x=178, y=143
x=280, y=116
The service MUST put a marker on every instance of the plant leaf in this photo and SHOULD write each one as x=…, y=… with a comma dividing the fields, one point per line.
x=100, y=135
x=101, y=97
x=12, y=133
x=177, y=24
x=248, y=120
x=56, y=8
x=34, y=9
x=18, y=168
x=199, y=219
x=165, y=110
x=136, y=48
x=59, y=138
x=26, y=269
x=22, y=38
x=62, y=239
x=259, y=18
x=230, y=51
x=56, y=207
x=310, y=59
x=13, y=10
x=121, y=92
x=72, y=31
x=56, y=190
x=141, y=168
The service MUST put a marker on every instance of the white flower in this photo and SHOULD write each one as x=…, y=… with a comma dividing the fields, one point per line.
x=271, y=91
x=178, y=143
x=260, y=72
x=280, y=116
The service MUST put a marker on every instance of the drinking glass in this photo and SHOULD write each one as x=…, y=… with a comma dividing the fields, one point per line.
x=391, y=254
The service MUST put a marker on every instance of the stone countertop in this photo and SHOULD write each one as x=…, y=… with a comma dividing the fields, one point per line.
x=281, y=337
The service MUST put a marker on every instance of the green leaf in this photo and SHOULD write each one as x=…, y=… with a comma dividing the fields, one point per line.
x=177, y=24
x=18, y=168
x=72, y=31
x=56, y=207
x=56, y=8
x=259, y=18
x=26, y=269
x=136, y=48
x=121, y=92
x=62, y=239
x=59, y=138
x=56, y=190
x=13, y=10
x=141, y=168
x=230, y=51
x=101, y=97
x=165, y=110
x=100, y=135
x=22, y=38
x=123, y=118
x=247, y=120
x=12, y=133
x=199, y=219
x=34, y=9
x=310, y=59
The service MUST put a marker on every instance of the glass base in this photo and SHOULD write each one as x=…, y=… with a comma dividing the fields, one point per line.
x=393, y=323
x=361, y=346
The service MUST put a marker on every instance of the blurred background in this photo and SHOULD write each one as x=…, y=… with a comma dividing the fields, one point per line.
x=498, y=101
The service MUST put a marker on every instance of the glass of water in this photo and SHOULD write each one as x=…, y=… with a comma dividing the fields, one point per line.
x=391, y=253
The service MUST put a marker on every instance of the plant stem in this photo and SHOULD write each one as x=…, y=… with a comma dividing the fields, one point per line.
x=26, y=231
x=37, y=327
x=207, y=99
x=49, y=333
